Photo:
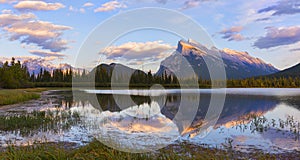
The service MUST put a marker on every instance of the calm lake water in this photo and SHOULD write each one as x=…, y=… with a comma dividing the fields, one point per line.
x=143, y=120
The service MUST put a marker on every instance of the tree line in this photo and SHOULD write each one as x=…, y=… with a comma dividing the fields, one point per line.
x=16, y=75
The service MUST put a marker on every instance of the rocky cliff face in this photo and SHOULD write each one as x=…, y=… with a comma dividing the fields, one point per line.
x=237, y=64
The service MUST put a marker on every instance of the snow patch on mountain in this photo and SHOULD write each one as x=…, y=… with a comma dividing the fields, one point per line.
x=237, y=64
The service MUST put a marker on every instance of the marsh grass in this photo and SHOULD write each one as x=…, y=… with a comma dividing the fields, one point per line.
x=13, y=96
x=260, y=124
x=96, y=150
x=36, y=121
x=17, y=96
x=48, y=120
x=36, y=90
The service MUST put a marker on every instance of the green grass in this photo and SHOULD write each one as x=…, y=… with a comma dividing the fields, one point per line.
x=13, y=96
x=38, y=121
x=34, y=90
x=96, y=150
x=17, y=95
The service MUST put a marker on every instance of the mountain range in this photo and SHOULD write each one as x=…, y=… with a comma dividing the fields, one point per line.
x=237, y=64
x=35, y=65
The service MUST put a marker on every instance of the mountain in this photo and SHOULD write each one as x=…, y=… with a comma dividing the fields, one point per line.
x=237, y=64
x=117, y=73
x=293, y=71
x=35, y=65
x=117, y=68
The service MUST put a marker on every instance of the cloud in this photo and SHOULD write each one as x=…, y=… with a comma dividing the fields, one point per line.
x=295, y=49
x=190, y=4
x=110, y=6
x=151, y=1
x=283, y=7
x=6, y=11
x=43, y=34
x=4, y=1
x=81, y=10
x=43, y=53
x=71, y=8
x=30, y=59
x=38, y=6
x=4, y=59
x=232, y=34
x=162, y=1
x=38, y=29
x=7, y=19
x=193, y=3
x=278, y=37
x=88, y=4
x=28, y=30
x=262, y=19
x=139, y=51
x=135, y=63
x=7, y=1
x=247, y=13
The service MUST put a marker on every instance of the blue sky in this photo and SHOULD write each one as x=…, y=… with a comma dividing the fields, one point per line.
x=54, y=30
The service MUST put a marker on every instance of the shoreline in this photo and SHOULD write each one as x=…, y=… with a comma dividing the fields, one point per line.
x=10, y=97
x=95, y=149
x=16, y=96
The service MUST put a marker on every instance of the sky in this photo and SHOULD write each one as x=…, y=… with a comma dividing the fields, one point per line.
x=53, y=31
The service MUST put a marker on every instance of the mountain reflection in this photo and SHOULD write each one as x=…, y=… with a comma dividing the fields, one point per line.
x=133, y=121
x=235, y=107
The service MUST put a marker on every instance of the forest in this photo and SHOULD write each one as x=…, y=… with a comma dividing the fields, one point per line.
x=15, y=75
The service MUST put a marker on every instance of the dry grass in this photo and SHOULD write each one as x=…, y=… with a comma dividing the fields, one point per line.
x=17, y=95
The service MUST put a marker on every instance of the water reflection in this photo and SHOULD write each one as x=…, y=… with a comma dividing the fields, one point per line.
x=239, y=110
x=136, y=129
x=234, y=108
x=148, y=122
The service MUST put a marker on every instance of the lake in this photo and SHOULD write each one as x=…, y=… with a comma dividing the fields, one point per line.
x=146, y=120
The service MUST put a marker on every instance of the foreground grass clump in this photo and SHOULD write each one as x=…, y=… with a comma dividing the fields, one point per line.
x=18, y=95
x=38, y=121
x=23, y=123
x=96, y=150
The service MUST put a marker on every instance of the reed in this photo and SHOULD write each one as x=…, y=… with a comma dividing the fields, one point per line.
x=16, y=96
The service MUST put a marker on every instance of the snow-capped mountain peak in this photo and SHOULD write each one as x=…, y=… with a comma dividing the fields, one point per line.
x=241, y=56
x=237, y=64
x=34, y=66
x=234, y=52
x=187, y=47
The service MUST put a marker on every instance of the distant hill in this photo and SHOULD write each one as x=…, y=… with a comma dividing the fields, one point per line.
x=293, y=72
x=117, y=73
x=121, y=69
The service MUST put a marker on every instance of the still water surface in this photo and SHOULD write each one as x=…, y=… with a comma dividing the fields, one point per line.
x=265, y=119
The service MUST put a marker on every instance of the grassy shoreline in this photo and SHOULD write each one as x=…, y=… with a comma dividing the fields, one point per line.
x=13, y=96
x=96, y=150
